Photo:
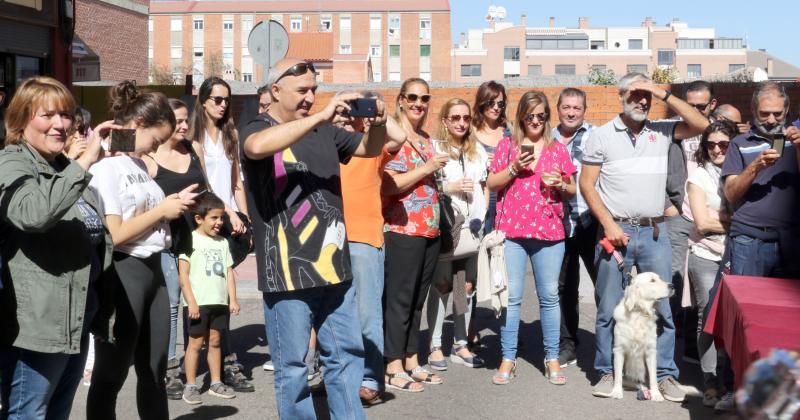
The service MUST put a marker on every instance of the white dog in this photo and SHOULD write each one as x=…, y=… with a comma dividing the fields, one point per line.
x=635, y=333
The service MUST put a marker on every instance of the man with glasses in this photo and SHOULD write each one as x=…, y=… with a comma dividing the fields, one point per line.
x=291, y=162
x=623, y=179
x=763, y=185
x=263, y=99
x=579, y=225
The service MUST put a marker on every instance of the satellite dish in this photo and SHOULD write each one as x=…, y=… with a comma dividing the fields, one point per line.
x=501, y=13
x=496, y=13
x=268, y=43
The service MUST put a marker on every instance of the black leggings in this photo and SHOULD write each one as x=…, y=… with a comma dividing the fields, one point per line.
x=409, y=267
x=142, y=337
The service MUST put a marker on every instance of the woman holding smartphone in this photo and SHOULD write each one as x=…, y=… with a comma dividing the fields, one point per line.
x=530, y=212
x=411, y=214
x=465, y=176
x=137, y=214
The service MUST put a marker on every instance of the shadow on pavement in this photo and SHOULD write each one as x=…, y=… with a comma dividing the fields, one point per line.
x=209, y=412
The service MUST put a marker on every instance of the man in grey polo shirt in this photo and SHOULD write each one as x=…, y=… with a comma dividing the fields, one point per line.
x=627, y=161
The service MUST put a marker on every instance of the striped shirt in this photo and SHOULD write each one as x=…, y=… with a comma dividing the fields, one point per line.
x=633, y=173
x=579, y=214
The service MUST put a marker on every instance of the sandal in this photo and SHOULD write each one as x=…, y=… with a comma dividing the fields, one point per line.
x=471, y=361
x=407, y=387
x=504, y=378
x=437, y=364
x=430, y=378
x=555, y=378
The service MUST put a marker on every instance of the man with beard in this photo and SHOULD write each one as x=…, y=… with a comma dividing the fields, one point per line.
x=579, y=225
x=763, y=185
x=623, y=181
x=292, y=168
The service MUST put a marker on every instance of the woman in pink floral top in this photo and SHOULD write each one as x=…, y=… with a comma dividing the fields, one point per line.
x=411, y=214
x=530, y=214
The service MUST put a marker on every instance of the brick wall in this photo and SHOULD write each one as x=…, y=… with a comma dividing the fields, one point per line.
x=117, y=35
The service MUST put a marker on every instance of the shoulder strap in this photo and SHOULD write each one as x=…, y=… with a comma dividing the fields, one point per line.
x=196, y=158
x=411, y=143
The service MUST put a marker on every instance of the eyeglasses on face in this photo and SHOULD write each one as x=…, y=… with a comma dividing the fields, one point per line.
x=493, y=103
x=298, y=69
x=413, y=97
x=529, y=118
x=456, y=118
x=219, y=99
x=722, y=145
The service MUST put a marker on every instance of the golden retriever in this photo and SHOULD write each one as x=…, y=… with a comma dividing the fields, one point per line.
x=635, y=333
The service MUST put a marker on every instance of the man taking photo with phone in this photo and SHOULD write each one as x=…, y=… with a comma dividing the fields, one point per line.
x=291, y=162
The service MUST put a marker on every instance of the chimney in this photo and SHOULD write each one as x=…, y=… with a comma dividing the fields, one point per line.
x=523, y=21
x=462, y=40
x=770, y=67
x=648, y=22
x=583, y=22
x=552, y=22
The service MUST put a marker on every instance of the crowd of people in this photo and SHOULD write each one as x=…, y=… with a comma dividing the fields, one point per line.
x=369, y=219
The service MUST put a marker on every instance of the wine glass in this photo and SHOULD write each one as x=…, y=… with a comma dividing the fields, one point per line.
x=550, y=180
x=440, y=148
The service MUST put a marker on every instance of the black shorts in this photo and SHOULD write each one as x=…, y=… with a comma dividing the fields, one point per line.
x=212, y=317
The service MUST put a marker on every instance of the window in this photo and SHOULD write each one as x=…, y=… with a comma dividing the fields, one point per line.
x=694, y=44
x=635, y=44
x=534, y=70
x=245, y=51
x=227, y=53
x=424, y=50
x=637, y=68
x=247, y=77
x=376, y=75
x=394, y=22
x=375, y=23
x=549, y=44
x=344, y=23
x=325, y=25
x=693, y=70
x=425, y=29
x=599, y=67
x=247, y=23
x=735, y=67
x=197, y=24
x=394, y=76
x=344, y=49
x=394, y=51
x=565, y=69
x=511, y=53
x=510, y=76
x=150, y=24
x=176, y=24
x=150, y=53
x=724, y=43
x=533, y=44
x=296, y=24
x=470, y=70
x=598, y=45
x=666, y=57
x=176, y=52
x=580, y=44
x=227, y=25
x=375, y=50
x=426, y=76
x=198, y=52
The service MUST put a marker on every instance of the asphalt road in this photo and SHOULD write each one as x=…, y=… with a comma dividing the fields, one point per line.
x=466, y=394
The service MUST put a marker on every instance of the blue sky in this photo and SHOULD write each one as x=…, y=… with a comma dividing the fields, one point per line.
x=773, y=25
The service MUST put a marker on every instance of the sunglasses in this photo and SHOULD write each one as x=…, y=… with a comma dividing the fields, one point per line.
x=220, y=99
x=492, y=103
x=722, y=145
x=456, y=118
x=700, y=107
x=529, y=118
x=298, y=69
x=413, y=97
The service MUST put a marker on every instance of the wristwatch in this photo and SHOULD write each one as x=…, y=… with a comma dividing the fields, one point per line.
x=511, y=171
x=563, y=186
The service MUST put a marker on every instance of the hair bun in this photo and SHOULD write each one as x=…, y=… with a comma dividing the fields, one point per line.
x=123, y=95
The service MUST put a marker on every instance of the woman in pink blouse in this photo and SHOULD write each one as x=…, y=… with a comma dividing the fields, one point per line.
x=530, y=213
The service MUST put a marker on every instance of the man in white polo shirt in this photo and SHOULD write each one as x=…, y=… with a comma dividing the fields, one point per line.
x=623, y=181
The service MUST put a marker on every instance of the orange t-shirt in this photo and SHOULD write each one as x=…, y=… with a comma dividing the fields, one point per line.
x=361, y=198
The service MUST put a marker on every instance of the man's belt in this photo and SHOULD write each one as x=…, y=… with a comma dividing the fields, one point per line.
x=640, y=221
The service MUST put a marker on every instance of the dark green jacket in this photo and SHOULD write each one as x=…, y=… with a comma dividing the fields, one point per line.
x=46, y=253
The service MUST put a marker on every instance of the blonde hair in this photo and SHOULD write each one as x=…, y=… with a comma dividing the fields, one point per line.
x=34, y=93
x=530, y=100
x=469, y=146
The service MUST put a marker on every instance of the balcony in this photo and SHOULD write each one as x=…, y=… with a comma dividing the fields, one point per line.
x=710, y=44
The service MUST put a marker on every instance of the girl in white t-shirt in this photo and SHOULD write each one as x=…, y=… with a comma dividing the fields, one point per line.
x=213, y=127
x=136, y=213
x=465, y=184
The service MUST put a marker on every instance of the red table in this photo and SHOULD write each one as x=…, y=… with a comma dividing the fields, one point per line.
x=752, y=315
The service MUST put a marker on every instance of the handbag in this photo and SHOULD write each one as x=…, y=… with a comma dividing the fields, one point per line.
x=241, y=245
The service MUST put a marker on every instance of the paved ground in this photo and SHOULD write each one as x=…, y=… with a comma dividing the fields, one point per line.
x=466, y=394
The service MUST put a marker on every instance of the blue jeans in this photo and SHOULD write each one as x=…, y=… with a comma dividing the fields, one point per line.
x=753, y=257
x=546, y=257
x=367, y=264
x=39, y=385
x=646, y=254
x=290, y=316
x=169, y=265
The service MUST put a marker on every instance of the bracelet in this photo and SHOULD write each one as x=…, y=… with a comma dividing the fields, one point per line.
x=563, y=187
x=511, y=171
x=667, y=95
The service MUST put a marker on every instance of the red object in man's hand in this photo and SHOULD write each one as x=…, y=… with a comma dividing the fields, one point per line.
x=609, y=248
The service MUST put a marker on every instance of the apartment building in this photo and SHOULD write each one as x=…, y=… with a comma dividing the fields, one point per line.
x=505, y=50
x=350, y=40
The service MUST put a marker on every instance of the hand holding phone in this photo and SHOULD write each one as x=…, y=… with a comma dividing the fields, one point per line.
x=363, y=108
x=778, y=143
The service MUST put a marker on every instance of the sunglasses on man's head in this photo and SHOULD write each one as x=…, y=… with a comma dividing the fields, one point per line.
x=492, y=103
x=413, y=97
x=219, y=99
x=298, y=69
